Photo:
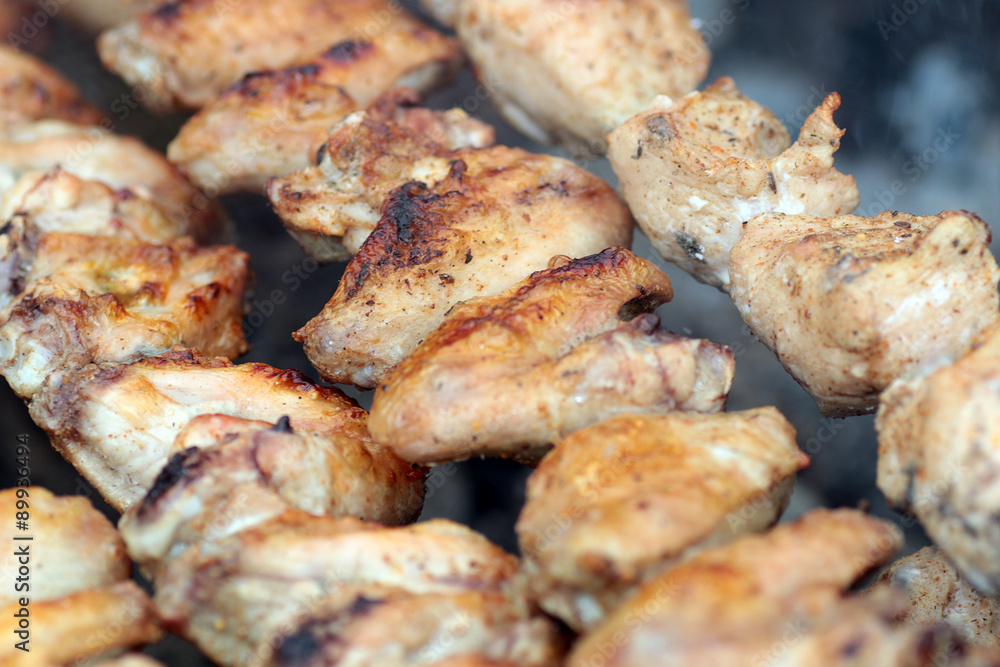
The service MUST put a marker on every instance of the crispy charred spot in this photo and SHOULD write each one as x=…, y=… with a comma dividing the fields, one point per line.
x=319, y=158
x=301, y=648
x=178, y=468
x=661, y=127
x=771, y=182
x=644, y=303
x=363, y=605
x=638, y=151
x=446, y=279
x=468, y=256
x=348, y=51
x=6, y=228
x=284, y=425
x=690, y=246
x=167, y=11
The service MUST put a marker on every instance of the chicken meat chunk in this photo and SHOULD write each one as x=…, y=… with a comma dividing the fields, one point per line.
x=848, y=304
x=81, y=601
x=94, y=154
x=85, y=299
x=693, y=171
x=937, y=593
x=31, y=90
x=570, y=72
x=186, y=53
x=618, y=502
x=332, y=207
x=938, y=458
x=273, y=122
x=116, y=423
x=284, y=591
x=510, y=375
x=499, y=214
x=776, y=598
x=228, y=473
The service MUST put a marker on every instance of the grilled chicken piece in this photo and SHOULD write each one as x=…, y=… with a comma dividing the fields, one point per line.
x=937, y=459
x=186, y=53
x=569, y=346
x=81, y=602
x=498, y=215
x=97, y=15
x=294, y=581
x=116, y=422
x=937, y=593
x=273, y=122
x=58, y=201
x=94, y=154
x=227, y=474
x=763, y=599
x=616, y=503
x=848, y=304
x=571, y=72
x=331, y=208
x=31, y=90
x=693, y=172
x=89, y=299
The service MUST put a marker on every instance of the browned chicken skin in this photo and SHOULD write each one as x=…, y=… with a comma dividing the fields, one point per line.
x=84, y=299
x=81, y=603
x=937, y=593
x=293, y=582
x=185, y=53
x=117, y=423
x=273, y=122
x=571, y=72
x=774, y=599
x=499, y=214
x=695, y=169
x=332, y=207
x=511, y=374
x=31, y=90
x=848, y=304
x=938, y=459
x=618, y=502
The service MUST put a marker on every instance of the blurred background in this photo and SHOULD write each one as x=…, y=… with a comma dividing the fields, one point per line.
x=908, y=71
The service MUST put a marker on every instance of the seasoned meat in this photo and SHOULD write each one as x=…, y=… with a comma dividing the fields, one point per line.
x=571, y=72
x=332, y=207
x=694, y=170
x=618, y=502
x=88, y=299
x=70, y=566
x=119, y=162
x=227, y=473
x=937, y=593
x=937, y=459
x=498, y=215
x=296, y=580
x=512, y=374
x=273, y=122
x=763, y=599
x=117, y=422
x=185, y=53
x=848, y=303
x=31, y=90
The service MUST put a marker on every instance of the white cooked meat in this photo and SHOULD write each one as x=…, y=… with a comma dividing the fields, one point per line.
x=937, y=457
x=848, y=304
x=569, y=346
x=694, y=169
x=570, y=72
x=116, y=423
x=618, y=502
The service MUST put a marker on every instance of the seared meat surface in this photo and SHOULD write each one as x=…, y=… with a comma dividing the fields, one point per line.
x=32, y=90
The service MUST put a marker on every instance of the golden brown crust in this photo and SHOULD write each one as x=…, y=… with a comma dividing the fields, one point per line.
x=116, y=423
x=500, y=214
x=89, y=299
x=848, y=304
x=31, y=90
x=273, y=122
x=695, y=169
x=332, y=207
x=569, y=346
x=618, y=502
x=185, y=53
